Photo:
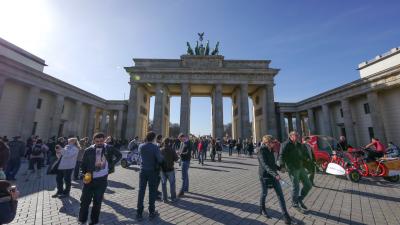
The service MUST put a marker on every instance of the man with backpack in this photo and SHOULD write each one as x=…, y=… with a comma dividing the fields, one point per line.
x=36, y=157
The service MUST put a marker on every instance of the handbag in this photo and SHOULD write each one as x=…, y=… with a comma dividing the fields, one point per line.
x=53, y=168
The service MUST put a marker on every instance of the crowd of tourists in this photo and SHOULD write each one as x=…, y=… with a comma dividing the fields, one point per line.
x=91, y=161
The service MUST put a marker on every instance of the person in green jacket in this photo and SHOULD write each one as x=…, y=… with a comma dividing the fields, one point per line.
x=292, y=156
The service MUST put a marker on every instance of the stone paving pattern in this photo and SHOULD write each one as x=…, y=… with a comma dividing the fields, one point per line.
x=224, y=192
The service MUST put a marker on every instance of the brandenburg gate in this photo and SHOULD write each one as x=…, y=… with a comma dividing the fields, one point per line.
x=201, y=73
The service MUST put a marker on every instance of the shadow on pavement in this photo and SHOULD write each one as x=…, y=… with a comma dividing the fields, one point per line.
x=230, y=167
x=244, y=206
x=334, y=218
x=208, y=168
x=240, y=163
x=70, y=206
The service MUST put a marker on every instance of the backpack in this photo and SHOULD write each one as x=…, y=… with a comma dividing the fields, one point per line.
x=36, y=150
x=218, y=147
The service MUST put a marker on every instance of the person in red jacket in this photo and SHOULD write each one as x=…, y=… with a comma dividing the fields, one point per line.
x=378, y=147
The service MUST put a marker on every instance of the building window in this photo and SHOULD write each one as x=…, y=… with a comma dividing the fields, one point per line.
x=371, y=132
x=366, y=108
x=60, y=130
x=257, y=100
x=234, y=99
x=39, y=103
x=144, y=98
x=34, y=128
x=341, y=112
x=62, y=110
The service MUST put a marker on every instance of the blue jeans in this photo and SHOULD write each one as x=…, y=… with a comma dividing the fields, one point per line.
x=185, y=175
x=202, y=156
x=150, y=177
x=168, y=176
x=12, y=168
x=297, y=176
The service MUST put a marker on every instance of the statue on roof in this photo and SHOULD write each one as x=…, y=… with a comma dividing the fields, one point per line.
x=201, y=36
x=189, y=49
x=215, y=51
x=200, y=49
x=207, y=48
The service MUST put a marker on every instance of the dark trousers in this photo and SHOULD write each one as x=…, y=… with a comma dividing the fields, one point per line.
x=297, y=176
x=77, y=170
x=278, y=190
x=13, y=166
x=64, y=176
x=230, y=150
x=147, y=177
x=94, y=190
x=311, y=173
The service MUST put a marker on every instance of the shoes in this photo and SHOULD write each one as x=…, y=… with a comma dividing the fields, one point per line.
x=56, y=195
x=153, y=215
x=165, y=201
x=288, y=220
x=298, y=208
x=181, y=194
x=63, y=196
x=174, y=200
x=263, y=211
x=302, y=205
x=139, y=217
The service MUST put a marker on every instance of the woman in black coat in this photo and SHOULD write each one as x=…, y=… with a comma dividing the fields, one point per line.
x=269, y=177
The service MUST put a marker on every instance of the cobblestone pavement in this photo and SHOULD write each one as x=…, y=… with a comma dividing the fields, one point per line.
x=224, y=192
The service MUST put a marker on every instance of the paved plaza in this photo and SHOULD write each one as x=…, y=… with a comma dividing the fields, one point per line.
x=224, y=192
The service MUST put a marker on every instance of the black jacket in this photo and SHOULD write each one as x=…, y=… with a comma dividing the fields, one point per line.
x=267, y=167
x=186, y=152
x=170, y=157
x=292, y=155
x=111, y=154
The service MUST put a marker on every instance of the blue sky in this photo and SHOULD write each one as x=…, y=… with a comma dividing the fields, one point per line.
x=316, y=44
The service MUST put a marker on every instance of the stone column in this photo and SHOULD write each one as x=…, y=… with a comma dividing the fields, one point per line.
x=132, y=112
x=185, y=109
x=103, y=122
x=298, y=124
x=348, y=122
x=111, y=124
x=290, y=122
x=271, y=118
x=244, y=111
x=29, y=112
x=119, y=123
x=159, y=105
x=55, y=124
x=91, y=121
x=311, y=121
x=376, y=116
x=2, y=85
x=283, y=126
x=236, y=125
x=326, y=120
x=218, y=119
x=78, y=119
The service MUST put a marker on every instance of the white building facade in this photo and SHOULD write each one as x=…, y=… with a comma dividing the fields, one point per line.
x=34, y=103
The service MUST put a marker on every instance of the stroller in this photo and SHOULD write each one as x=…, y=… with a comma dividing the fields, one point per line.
x=132, y=158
